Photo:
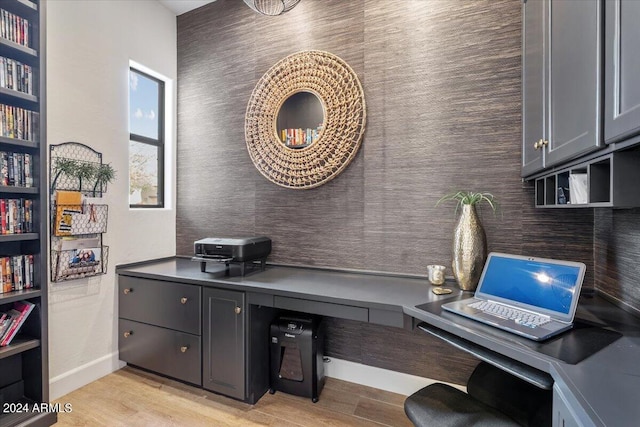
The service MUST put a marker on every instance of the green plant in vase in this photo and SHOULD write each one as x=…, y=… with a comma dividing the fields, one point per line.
x=470, y=240
x=471, y=198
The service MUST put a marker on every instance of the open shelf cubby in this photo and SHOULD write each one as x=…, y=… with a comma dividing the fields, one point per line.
x=607, y=181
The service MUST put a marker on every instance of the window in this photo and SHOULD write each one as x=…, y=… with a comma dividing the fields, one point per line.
x=146, y=140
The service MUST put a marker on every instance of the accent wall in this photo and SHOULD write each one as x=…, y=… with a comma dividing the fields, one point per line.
x=442, y=82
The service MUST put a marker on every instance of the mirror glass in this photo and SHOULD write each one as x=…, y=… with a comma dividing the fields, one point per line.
x=300, y=120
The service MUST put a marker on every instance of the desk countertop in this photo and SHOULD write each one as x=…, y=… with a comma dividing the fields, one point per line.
x=602, y=388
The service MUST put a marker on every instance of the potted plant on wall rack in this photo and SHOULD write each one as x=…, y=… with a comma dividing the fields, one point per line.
x=103, y=175
x=469, y=238
x=97, y=173
x=85, y=171
x=63, y=166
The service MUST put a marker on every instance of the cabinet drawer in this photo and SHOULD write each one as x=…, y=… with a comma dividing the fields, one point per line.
x=170, y=305
x=323, y=308
x=172, y=353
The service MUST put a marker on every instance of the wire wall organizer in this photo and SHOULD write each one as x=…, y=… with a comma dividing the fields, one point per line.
x=78, y=263
x=78, y=215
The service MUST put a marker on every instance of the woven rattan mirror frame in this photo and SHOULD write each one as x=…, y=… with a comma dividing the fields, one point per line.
x=337, y=86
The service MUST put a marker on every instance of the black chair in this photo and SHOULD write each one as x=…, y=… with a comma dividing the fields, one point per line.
x=494, y=398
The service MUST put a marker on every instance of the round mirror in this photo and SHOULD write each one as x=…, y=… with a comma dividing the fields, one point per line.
x=284, y=99
x=300, y=120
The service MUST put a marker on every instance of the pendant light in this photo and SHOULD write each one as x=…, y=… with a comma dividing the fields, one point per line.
x=272, y=7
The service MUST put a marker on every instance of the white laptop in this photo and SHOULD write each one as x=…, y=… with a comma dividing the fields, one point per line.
x=528, y=296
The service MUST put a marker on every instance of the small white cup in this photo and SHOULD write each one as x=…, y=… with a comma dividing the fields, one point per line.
x=436, y=274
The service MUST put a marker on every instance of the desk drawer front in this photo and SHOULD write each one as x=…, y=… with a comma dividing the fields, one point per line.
x=170, y=305
x=172, y=353
x=323, y=308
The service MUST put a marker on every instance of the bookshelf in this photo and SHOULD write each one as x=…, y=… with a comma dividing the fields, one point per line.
x=24, y=373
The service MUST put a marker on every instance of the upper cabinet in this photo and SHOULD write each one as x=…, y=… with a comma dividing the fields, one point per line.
x=573, y=162
x=561, y=77
x=622, y=70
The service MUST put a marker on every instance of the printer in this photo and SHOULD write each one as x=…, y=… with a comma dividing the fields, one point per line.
x=242, y=251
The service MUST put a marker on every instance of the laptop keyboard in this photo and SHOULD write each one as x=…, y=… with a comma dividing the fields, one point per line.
x=523, y=318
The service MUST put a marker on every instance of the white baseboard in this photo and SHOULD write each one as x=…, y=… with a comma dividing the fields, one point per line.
x=379, y=378
x=83, y=375
x=383, y=379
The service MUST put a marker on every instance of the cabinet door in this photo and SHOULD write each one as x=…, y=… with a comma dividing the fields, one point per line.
x=574, y=79
x=224, y=342
x=533, y=93
x=562, y=414
x=622, y=70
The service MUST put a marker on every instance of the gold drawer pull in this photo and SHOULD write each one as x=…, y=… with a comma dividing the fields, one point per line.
x=184, y=348
x=238, y=310
x=127, y=291
x=127, y=334
x=183, y=300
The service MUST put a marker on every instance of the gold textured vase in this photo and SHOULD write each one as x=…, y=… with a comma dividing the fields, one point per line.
x=469, y=249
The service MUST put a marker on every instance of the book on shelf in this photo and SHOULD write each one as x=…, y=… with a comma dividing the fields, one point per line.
x=18, y=123
x=5, y=323
x=16, y=169
x=16, y=273
x=300, y=137
x=16, y=216
x=14, y=28
x=16, y=76
x=18, y=314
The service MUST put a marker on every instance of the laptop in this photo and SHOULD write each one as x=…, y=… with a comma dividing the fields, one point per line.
x=532, y=297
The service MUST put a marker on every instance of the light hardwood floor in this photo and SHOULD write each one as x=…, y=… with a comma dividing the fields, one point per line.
x=130, y=397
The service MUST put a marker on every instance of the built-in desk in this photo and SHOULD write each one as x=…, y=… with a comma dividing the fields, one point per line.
x=598, y=388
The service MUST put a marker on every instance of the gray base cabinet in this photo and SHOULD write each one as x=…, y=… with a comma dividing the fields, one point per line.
x=563, y=416
x=204, y=336
x=159, y=327
x=224, y=342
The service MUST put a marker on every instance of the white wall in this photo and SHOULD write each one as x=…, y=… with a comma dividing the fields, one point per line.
x=89, y=45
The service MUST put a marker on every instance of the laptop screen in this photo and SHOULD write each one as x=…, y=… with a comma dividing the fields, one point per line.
x=547, y=286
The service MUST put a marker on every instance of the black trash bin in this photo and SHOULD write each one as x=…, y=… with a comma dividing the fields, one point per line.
x=296, y=356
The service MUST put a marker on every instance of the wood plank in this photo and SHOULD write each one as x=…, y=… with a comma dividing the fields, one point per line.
x=131, y=397
x=382, y=413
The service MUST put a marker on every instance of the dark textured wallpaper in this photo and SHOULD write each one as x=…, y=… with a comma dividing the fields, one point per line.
x=617, y=254
x=443, y=91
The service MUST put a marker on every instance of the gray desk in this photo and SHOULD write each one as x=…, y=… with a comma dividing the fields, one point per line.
x=601, y=389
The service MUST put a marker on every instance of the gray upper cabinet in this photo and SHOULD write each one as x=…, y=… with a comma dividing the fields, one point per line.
x=561, y=81
x=622, y=70
x=533, y=93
